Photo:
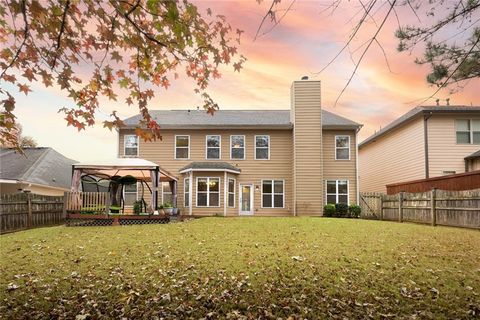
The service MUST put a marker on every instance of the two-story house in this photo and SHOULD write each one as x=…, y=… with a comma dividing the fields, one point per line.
x=426, y=142
x=253, y=162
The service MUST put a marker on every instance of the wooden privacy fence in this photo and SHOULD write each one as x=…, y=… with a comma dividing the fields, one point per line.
x=436, y=207
x=25, y=210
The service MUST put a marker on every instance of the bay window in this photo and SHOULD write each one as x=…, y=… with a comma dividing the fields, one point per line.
x=208, y=192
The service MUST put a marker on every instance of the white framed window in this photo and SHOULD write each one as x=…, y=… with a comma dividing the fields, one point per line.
x=167, y=195
x=467, y=131
x=337, y=191
x=213, y=146
x=262, y=147
x=237, y=147
x=231, y=193
x=342, y=147
x=182, y=147
x=130, y=145
x=186, y=192
x=208, y=192
x=130, y=194
x=273, y=193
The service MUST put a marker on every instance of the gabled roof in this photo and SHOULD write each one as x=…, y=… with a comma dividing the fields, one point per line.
x=417, y=111
x=210, y=166
x=474, y=155
x=273, y=119
x=43, y=166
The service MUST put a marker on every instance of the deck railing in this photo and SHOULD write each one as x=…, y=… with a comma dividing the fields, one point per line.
x=87, y=202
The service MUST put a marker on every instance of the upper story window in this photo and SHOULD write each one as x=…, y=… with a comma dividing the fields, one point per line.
x=468, y=131
x=182, y=147
x=273, y=194
x=337, y=191
x=208, y=192
x=237, y=147
x=342, y=147
x=130, y=145
x=262, y=147
x=213, y=147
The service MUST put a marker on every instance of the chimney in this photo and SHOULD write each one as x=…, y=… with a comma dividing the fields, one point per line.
x=306, y=116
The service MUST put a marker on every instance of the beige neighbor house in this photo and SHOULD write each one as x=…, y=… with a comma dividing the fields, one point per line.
x=252, y=162
x=426, y=142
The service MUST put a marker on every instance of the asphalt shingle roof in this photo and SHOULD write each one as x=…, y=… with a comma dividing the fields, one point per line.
x=38, y=165
x=234, y=118
x=473, y=155
x=211, y=165
x=410, y=115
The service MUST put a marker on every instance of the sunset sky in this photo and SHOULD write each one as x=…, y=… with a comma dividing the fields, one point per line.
x=302, y=44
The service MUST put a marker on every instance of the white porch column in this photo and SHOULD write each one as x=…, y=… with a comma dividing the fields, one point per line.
x=225, y=194
x=190, y=192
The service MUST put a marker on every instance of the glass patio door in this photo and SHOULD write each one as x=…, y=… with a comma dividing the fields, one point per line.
x=246, y=199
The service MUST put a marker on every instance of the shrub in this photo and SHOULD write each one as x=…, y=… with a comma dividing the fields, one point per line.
x=137, y=207
x=354, y=211
x=329, y=210
x=341, y=210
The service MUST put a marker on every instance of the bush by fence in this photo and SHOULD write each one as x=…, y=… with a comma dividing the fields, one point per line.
x=436, y=207
x=25, y=210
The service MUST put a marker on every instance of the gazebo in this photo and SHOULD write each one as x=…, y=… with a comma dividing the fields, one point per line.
x=109, y=172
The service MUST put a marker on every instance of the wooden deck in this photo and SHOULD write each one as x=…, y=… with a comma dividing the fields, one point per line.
x=82, y=219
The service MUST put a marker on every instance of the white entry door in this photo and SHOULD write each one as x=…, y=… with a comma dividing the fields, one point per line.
x=246, y=199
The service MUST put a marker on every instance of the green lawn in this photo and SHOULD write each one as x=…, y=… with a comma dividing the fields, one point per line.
x=242, y=268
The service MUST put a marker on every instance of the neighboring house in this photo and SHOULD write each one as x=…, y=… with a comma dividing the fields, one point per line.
x=39, y=170
x=253, y=162
x=425, y=142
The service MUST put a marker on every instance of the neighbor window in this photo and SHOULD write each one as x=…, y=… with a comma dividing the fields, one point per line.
x=167, y=193
x=337, y=191
x=208, y=192
x=262, y=147
x=342, y=147
x=468, y=131
x=237, y=146
x=213, y=147
x=186, y=192
x=182, y=147
x=130, y=145
x=129, y=194
x=273, y=194
x=231, y=193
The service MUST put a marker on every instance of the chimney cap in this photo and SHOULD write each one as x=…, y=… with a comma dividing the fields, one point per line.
x=305, y=78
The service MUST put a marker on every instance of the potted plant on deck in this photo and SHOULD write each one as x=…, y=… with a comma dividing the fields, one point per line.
x=168, y=208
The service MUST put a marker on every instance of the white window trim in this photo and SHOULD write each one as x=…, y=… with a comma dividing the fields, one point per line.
x=185, y=192
x=163, y=193
x=136, y=196
x=471, y=131
x=273, y=194
x=349, y=148
x=125, y=145
x=336, y=190
x=219, y=146
x=244, y=147
x=234, y=192
x=208, y=192
x=175, y=147
x=255, y=145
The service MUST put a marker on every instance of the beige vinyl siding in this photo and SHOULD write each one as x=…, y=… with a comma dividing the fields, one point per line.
x=395, y=157
x=475, y=165
x=253, y=171
x=340, y=169
x=308, y=159
x=443, y=151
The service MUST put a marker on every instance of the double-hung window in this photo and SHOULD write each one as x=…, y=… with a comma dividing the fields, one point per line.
x=130, y=145
x=186, y=192
x=262, y=147
x=231, y=193
x=342, y=147
x=167, y=195
x=213, y=147
x=182, y=147
x=237, y=147
x=337, y=191
x=468, y=131
x=273, y=194
x=208, y=192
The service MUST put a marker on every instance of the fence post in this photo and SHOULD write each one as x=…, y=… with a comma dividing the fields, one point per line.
x=381, y=206
x=29, y=208
x=400, y=207
x=433, y=208
x=65, y=205
x=107, y=204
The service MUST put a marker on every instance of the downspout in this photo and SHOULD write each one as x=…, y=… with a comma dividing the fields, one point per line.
x=425, y=139
x=357, y=182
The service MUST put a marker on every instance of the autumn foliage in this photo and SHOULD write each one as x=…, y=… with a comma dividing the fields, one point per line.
x=92, y=50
